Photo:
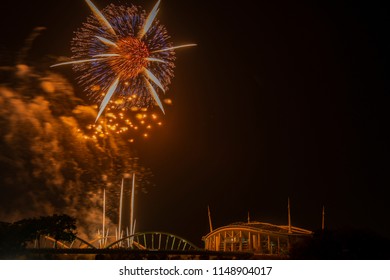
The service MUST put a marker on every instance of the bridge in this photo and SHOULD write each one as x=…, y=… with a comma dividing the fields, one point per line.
x=142, y=245
x=149, y=241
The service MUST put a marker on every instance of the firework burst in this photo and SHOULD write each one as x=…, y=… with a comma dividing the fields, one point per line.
x=123, y=52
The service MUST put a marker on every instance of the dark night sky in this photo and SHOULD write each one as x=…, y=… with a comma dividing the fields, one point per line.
x=280, y=99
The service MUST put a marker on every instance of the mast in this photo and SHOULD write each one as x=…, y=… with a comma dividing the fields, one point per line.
x=289, y=216
x=210, y=223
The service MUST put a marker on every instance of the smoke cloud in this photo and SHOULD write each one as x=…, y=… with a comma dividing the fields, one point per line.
x=48, y=164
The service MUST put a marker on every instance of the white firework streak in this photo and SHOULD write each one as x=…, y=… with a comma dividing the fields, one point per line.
x=103, y=21
x=106, y=41
x=107, y=55
x=77, y=61
x=107, y=98
x=149, y=20
x=154, y=94
x=150, y=76
x=174, y=48
x=152, y=59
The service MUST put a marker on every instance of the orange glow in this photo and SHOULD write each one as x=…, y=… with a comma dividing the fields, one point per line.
x=168, y=101
x=119, y=101
x=95, y=88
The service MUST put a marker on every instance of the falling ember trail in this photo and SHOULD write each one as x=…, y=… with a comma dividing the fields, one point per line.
x=107, y=98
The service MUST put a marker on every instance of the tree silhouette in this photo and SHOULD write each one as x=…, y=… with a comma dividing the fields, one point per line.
x=17, y=235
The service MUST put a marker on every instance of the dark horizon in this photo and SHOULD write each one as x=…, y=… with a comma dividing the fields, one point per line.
x=277, y=100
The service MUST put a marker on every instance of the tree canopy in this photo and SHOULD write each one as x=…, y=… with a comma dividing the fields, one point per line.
x=18, y=234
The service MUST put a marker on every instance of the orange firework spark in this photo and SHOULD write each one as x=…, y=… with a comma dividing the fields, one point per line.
x=131, y=59
x=139, y=124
